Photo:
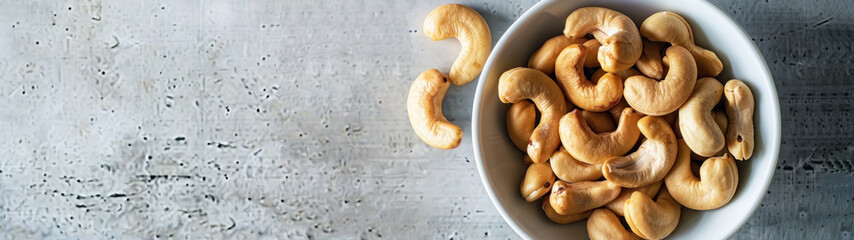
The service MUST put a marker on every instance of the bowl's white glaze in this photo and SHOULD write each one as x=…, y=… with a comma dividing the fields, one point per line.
x=500, y=164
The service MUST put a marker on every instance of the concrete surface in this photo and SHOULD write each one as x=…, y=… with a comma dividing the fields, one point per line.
x=286, y=119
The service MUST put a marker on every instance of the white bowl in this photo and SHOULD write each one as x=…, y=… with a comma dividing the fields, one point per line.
x=500, y=163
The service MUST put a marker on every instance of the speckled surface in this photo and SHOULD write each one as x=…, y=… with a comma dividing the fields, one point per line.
x=286, y=119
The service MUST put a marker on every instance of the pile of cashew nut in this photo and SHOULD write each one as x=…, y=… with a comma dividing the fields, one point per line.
x=650, y=131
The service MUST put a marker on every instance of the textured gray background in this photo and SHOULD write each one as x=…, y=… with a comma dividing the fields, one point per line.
x=286, y=119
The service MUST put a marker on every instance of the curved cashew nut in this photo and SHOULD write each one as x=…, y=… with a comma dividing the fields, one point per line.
x=524, y=83
x=544, y=58
x=593, y=46
x=739, y=107
x=715, y=187
x=650, y=62
x=651, y=162
x=568, y=169
x=537, y=182
x=617, y=205
x=672, y=28
x=620, y=39
x=464, y=23
x=658, y=98
x=652, y=220
x=603, y=224
x=572, y=198
x=599, y=122
x=592, y=148
x=424, y=105
x=581, y=92
x=563, y=219
x=696, y=123
x=521, y=119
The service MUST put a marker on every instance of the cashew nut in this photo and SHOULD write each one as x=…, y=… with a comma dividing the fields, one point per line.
x=672, y=28
x=715, y=187
x=424, y=105
x=650, y=62
x=592, y=148
x=696, y=123
x=720, y=117
x=521, y=83
x=599, y=122
x=657, y=98
x=651, y=162
x=581, y=92
x=563, y=219
x=521, y=119
x=571, y=198
x=544, y=58
x=652, y=220
x=617, y=205
x=620, y=39
x=464, y=23
x=603, y=224
x=739, y=108
x=569, y=169
x=625, y=74
x=537, y=182
x=593, y=46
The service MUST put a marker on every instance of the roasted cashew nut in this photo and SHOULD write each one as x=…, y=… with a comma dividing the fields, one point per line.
x=620, y=39
x=537, y=182
x=572, y=198
x=658, y=98
x=563, y=219
x=464, y=23
x=604, y=225
x=590, y=60
x=652, y=220
x=650, y=62
x=599, y=122
x=715, y=187
x=698, y=127
x=739, y=108
x=569, y=70
x=592, y=148
x=672, y=28
x=569, y=169
x=424, y=105
x=544, y=58
x=521, y=83
x=521, y=119
x=651, y=162
x=617, y=205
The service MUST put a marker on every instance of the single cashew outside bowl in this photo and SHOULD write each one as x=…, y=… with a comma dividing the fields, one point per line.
x=672, y=28
x=563, y=219
x=424, y=105
x=739, y=108
x=698, y=126
x=617, y=205
x=650, y=62
x=572, y=198
x=651, y=162
x=652, y=219
x=620, y=38
x=604, y=225
x=569, y=169
x=465, y=24
x=713, y=189
x=544, y=58
x=521, y=120
x=569, y=70
x=521, y=83
x=658, y=98
x=537, y=182
x=592, y=148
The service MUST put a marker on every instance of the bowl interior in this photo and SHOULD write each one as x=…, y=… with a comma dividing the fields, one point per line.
x=500, y=163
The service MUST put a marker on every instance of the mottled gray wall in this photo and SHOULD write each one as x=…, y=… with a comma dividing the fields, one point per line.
x=286, y=119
